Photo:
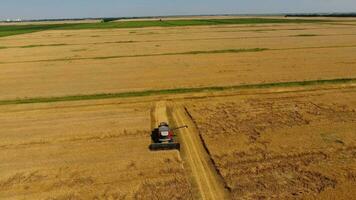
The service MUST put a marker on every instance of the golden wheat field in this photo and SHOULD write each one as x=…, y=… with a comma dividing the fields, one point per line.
x=282, y=146
x=71, y=62
x=85, y=151
x=293, y=138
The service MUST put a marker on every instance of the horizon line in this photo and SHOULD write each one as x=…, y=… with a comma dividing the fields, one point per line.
x=167, y=16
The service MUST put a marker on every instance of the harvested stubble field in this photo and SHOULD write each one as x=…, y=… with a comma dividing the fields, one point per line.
x=81, y=151
x=283, y=142
x=282, y=146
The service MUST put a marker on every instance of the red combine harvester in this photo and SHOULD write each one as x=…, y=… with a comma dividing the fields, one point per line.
x=163, y=137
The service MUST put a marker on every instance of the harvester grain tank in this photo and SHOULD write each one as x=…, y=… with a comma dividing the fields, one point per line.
x=163, y=137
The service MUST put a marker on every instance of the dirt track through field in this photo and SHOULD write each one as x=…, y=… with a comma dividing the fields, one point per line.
x=206, y=181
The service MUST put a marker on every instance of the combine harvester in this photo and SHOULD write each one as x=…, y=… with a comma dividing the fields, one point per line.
x=163, y=138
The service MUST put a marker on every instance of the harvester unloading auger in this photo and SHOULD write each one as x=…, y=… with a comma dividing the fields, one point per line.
x=163, y=137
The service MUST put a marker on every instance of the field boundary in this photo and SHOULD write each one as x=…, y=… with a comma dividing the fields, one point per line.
x=147, y=93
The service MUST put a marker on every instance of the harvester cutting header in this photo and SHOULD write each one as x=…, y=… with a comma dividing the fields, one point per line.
x=163, y=137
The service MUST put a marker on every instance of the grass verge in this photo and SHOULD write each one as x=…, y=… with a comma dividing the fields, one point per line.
x=42, y=45
x=185, y=53
x=173, y=91
x=221, y=51
x=33, y=46
x=146, y=55
x=306, y=35
x=8, y=30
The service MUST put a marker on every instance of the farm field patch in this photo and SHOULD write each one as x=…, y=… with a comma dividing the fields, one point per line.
x=45, y=63
x=269, y=104
x=67, y=151
x=285, y=146
x=8, y=30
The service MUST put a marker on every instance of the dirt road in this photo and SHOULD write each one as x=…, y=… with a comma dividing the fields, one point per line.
x=205, y=179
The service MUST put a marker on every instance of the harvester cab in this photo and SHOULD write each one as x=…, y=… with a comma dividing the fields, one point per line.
x=163, y=137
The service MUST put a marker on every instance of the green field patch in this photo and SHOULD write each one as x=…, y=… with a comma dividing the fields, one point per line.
x=174, y=91
x=8, y=30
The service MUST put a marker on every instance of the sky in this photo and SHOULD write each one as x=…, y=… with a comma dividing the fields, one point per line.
x=39, y=9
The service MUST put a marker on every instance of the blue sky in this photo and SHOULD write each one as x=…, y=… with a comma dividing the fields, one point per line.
x=35, y=9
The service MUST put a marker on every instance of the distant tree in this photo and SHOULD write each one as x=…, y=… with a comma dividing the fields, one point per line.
x=104, y=20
